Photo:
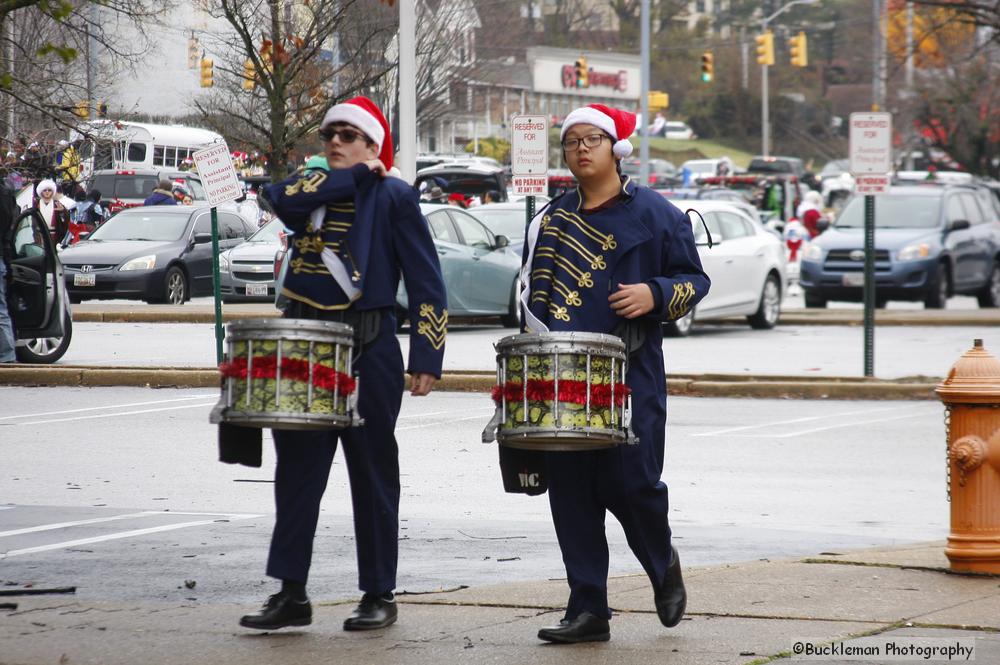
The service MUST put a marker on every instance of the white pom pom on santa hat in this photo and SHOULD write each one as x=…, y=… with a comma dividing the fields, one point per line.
x=616, y=122
x=366, y=116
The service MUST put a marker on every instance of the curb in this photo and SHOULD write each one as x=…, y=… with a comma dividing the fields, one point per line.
x=795, y=317
x=709, y=385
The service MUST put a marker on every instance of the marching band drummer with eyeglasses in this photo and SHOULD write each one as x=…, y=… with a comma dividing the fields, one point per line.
x=355, y=231
x=608, y=253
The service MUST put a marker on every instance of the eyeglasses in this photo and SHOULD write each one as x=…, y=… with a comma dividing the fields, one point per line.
x=345, y=134
x=591, y=141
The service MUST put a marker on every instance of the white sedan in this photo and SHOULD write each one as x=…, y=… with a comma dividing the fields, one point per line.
x=746, y=264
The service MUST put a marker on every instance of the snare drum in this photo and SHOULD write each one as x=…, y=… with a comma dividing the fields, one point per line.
x=560, y=391
x=288, y=374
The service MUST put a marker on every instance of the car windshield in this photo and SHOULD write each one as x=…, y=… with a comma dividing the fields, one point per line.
x=142, y=226
x=770, y=166
x=508, y=222
x=901, y=212
x=123, y=186
x=269, y=232
x=836, y=167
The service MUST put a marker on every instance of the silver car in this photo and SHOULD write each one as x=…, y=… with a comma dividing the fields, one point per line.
x=746, y=264
x=246, y=272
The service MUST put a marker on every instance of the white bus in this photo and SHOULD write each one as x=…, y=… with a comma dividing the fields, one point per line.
x=138, y=145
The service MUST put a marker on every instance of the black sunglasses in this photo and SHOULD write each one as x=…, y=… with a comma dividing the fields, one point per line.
x=345, y=134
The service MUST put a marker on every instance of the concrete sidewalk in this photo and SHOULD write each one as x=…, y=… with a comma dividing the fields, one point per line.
x=746, y=613
x=96, y=312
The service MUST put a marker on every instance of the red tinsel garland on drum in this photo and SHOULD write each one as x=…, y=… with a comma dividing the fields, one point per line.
x=575, y=392
x=266, y=367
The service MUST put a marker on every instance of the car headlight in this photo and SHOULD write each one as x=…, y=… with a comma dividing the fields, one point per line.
x=813, y=253
x=913, y=251
x=141, y=263
x=223, y=263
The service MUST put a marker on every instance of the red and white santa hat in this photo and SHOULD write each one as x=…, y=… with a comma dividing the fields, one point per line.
x=619, y=124
x=366, y=116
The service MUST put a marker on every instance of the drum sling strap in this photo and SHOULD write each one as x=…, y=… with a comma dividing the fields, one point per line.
x=244, y=445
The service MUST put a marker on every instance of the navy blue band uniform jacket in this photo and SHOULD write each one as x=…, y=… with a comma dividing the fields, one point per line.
x=354, y=231
x=573, y=261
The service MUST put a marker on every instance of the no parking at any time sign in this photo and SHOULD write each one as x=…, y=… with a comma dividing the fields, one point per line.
x=529, y=154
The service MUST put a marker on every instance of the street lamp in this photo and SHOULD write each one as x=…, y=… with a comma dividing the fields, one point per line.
x=764, y=110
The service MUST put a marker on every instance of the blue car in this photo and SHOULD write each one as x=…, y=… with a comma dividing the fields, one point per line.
x=931, y=241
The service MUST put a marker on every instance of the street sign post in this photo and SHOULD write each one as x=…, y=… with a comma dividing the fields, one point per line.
x=529, y=158
x=871, y=161
x=218, y=176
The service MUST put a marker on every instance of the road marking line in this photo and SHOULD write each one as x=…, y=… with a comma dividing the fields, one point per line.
x=65, y=525
x=450, y=420
x=801, y=420
x=101, y=408
x=112, y=518
x=788, y=435
x=113, y=415
x=112, y=536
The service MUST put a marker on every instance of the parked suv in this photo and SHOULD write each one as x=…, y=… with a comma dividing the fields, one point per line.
x=931, y=242
x=129, y=188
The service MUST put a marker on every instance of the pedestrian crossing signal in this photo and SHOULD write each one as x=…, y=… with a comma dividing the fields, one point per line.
x=707, y=66
x=765, y=49
x=207, y=72
x=799, y=50
x=582, y=73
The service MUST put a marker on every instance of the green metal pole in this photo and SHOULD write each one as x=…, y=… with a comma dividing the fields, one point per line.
x=215, y=285
x=869, y=288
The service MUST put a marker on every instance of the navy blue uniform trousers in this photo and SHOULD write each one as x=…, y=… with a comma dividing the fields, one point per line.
x=625, y=480
x=304, y=461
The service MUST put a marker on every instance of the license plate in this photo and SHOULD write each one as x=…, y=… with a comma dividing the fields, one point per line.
x=854, y=279
x=84, y=279
x=256, y=289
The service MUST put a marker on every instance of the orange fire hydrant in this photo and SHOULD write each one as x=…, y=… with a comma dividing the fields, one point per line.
x=971, y=395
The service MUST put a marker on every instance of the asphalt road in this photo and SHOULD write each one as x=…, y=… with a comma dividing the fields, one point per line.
x=117, y=491
x=797, y=350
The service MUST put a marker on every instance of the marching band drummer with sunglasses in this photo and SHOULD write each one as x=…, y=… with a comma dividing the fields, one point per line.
x=355, y=232
x=607, y=253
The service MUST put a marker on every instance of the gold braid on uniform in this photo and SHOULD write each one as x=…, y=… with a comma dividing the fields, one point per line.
x=433, y=326
x=678, y=306
x=307, y=184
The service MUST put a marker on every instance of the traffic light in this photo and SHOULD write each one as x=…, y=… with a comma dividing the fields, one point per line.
x=207, y=72
x=82, y=110
x=707, y=66
x=249, y=75
x=658, y=100
x=102, y=110
x=582, y=73
x=765, y=48
x=799, y=49
x=193, y=51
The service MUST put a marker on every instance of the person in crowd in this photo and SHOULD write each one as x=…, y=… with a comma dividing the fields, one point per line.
x=356, y=231
x=611, y=257
x=162, y=195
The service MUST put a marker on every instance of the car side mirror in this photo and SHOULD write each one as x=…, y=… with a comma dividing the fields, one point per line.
x=501, y=242
x=822, y=224
x=84, y=235
x=959, y=225
x=201, y=238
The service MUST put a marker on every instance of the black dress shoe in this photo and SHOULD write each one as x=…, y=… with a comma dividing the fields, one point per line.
x=374, y=611
x=584, y=628
x=280, y=611
x=671, y=597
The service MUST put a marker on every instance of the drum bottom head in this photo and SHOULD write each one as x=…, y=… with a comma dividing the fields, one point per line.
x=559, y=439
x=294, y=421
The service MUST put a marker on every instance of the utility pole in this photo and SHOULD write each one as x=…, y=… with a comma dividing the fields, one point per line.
x=407, y=158
x=908, y=137
x=644, y=96
x=92, y=60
